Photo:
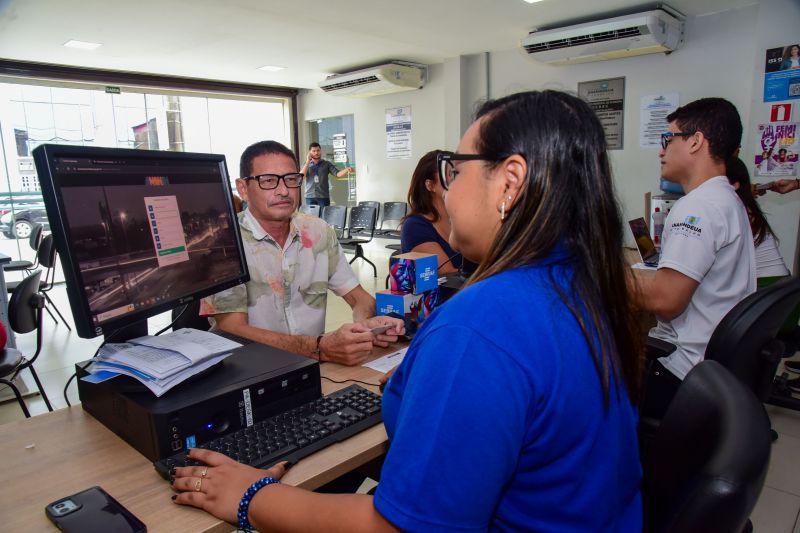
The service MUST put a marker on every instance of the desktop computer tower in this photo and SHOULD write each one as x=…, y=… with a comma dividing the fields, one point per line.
x=254, y=383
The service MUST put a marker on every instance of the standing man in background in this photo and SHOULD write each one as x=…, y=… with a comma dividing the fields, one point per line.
x=316, y=171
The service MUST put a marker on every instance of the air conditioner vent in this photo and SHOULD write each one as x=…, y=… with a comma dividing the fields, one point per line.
x=623, y=33
x=350, y=83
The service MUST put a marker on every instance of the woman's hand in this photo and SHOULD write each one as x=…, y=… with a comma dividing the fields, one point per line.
x=218, y=487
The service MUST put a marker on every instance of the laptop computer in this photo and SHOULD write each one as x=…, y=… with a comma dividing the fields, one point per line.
x=644, y=243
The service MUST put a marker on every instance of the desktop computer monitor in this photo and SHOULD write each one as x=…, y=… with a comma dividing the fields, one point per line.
x=139, y=232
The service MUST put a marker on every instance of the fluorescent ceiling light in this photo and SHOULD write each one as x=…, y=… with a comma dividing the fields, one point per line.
x=532, y=1
x=270, y=68
x=82, y=45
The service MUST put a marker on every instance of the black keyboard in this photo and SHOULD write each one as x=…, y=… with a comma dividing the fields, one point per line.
x=294, y=434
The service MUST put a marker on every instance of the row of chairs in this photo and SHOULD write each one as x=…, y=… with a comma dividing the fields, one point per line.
x=29, y=298
x=361, y=226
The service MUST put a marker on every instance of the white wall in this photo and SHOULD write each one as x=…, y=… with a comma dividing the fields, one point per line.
x=723, y=56
x=379, y=178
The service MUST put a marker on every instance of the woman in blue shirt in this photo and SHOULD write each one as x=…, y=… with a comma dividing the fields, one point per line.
x=427, y=226
x=514, y=407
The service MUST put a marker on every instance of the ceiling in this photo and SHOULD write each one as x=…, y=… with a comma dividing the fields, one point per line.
x=229, y=40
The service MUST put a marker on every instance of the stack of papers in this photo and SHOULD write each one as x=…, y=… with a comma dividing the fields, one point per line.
x=161, y=362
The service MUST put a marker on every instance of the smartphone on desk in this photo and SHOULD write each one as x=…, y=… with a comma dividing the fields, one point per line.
x=93, y=511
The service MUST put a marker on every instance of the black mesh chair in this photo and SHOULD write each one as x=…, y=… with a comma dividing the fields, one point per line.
x=310, y=209
x=47, y=259
x=377, y=206
x=34, y=240
x=706, y=466
x=24, y=315
x=362, y=222
x=393, y=215
x=335, y=216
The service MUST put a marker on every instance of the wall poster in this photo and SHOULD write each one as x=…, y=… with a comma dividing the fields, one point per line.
x=398, y=133
x=777, y=153
x=607, y=98
x=782, y=73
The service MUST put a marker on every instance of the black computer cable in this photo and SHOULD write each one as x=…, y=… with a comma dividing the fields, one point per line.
x=109, y=338
x=352, y=380
x=449, y=259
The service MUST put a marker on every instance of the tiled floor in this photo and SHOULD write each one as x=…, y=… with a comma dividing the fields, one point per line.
x=777, y=510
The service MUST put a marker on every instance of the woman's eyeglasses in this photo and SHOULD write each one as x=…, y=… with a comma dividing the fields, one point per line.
x=445, y=162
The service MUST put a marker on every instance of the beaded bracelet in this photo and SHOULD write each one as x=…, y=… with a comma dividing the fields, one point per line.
x=244, y=504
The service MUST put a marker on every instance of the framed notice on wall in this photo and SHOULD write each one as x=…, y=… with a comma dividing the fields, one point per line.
x=398, y=133
x=607, y=98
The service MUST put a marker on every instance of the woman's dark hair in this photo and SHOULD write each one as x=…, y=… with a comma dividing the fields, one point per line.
x=568, y=200
x=420, y=199
x=737, y=173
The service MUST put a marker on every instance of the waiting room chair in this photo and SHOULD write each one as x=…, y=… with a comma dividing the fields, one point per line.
x=335, y=216
x=310, y=209
x=706, y=466
x=34, y=240
x=377, y=206
x=47, y=259
x=24, y=315
x=393, y=215
x=362, y=222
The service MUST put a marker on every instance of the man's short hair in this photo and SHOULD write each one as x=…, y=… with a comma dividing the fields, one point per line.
x=717, y=119
x=262, y=148
x=314, y=145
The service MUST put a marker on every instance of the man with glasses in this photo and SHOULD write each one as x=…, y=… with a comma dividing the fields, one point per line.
x=707, y=262
x=293, y=259
x=316, y=170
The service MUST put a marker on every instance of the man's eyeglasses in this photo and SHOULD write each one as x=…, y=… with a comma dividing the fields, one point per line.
x=666, y=138
x=447, y=169
x=271, y=181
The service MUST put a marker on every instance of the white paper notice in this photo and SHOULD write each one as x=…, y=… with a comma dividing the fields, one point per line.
x=387, y=362
x=653, y=118
x=398, y=133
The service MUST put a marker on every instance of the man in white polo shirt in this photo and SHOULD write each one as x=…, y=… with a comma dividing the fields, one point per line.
x=707, y=262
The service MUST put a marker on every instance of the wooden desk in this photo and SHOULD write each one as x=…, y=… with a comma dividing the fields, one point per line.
x=57, y=454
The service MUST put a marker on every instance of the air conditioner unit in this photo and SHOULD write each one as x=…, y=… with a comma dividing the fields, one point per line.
x=381, y=79
x=650, y=32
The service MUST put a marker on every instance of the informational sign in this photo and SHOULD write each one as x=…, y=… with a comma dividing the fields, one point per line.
x=777, y=153
x=398, y=133
x=653, y=118
x=782, y=73
x=780, y=113
x=339, y=141
x=607, y=98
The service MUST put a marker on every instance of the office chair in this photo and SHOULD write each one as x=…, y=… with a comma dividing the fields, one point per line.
x=392, y=212
x=362, y=220
x=745, y=342
x=335, y=216
x=310, y=209
x=707, y=464
x=377, y=206
x=24, y=316
x=189, y=317
x=34, y=240
x=47, y=259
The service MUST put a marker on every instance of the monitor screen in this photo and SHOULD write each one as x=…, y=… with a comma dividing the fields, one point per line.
x=139, y=232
